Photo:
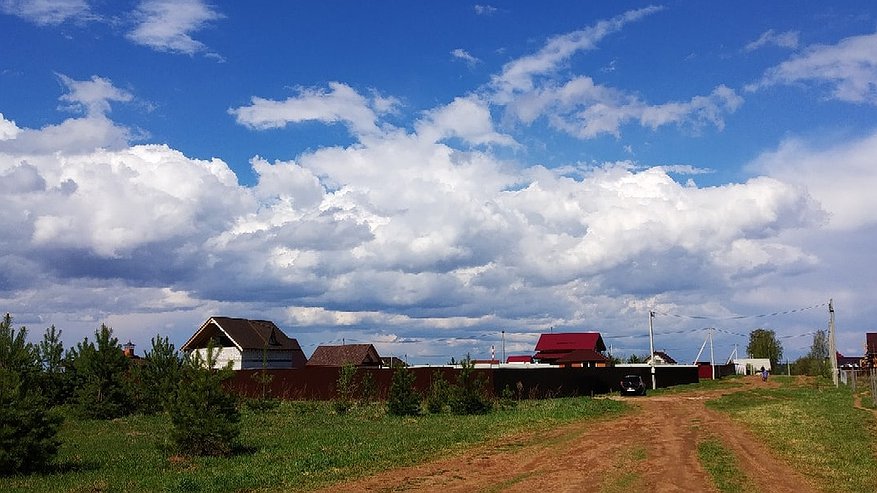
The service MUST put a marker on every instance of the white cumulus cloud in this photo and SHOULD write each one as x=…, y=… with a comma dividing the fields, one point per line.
x=168, y=25
x=848, y=69
x=48, y=12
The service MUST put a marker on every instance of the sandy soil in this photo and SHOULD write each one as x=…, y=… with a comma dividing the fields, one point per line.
x=653, y=449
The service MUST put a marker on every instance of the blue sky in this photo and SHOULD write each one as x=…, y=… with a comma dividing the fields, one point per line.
x=423, y=177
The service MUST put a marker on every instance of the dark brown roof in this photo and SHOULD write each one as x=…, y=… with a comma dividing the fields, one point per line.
x=352, y=354
x=243, y=333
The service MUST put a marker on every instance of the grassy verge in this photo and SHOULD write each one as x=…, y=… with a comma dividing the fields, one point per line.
x=815, y=427
x=296, y=447
x=729, y=382
x=625, y=475
x=721, y=464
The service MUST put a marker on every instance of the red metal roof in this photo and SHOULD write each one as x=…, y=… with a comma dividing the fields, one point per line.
x=582, y=356
x=570, y=341
x=519, y=359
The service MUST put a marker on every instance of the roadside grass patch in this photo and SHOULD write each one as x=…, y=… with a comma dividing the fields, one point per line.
x=298, y=446
x=817, y=430
x=729, y=382
x=721, y=464
x=625, y=475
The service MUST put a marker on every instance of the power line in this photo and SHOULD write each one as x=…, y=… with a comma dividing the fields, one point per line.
x=739, y=317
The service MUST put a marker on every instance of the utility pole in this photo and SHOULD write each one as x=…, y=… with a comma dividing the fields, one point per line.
x=832, y=344
x=503, y=346
x=652, y=349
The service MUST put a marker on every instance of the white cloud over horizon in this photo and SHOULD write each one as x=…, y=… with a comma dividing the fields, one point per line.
x=456, y=239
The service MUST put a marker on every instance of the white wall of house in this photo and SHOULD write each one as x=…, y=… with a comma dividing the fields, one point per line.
x=223, y=356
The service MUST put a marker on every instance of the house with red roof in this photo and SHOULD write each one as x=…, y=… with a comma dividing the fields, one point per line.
x=246, y=344
x=571, y=349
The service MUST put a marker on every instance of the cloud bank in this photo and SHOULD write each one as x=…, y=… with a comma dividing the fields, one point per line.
x=423, y=236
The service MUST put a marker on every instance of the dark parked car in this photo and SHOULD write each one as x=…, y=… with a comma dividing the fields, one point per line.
x=633, y=385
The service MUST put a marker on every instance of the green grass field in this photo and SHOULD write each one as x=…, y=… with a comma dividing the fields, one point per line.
x=815, y=427
x=303, y=445
x=298, y=446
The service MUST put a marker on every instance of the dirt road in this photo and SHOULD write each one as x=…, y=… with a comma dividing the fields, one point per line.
x=652, y=449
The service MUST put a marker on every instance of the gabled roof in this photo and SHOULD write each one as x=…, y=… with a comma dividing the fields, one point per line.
x=349, y=354
x=564, y=342
x=663, y=357
x=243, y=333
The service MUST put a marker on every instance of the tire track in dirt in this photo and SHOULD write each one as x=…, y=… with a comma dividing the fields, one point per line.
x=654, y=448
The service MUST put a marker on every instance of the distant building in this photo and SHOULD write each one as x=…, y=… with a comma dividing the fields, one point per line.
x=571, y=349
x=661, y=358
x=359, y=355
x=246, y=344
x=849, y=362
x=751, y=366
x=519, y=359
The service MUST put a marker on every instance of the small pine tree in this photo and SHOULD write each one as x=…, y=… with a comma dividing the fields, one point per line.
x=468, y=396
x=368, y=389
x=102, y=370
x=28, y=428
x=53, y=379
x=439, y=391
x=159, y=376
x=507, y=399
x=345, y=389
x=204, y=417
x=264, y=402
x=403, y=400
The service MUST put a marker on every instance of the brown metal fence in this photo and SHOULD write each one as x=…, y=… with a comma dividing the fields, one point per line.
x=318, y=383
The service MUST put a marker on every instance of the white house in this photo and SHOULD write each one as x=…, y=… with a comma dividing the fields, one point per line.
x=247, y=344
x=751, y=366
